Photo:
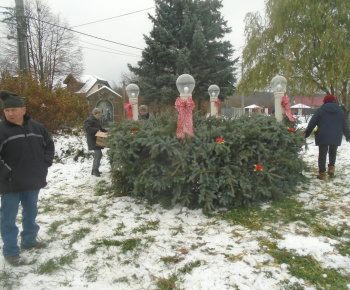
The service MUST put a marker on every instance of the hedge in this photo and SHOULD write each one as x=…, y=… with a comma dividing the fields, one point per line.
x=227, y=163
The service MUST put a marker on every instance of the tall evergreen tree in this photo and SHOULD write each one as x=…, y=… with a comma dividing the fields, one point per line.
x=306, y=41
x=187, y=37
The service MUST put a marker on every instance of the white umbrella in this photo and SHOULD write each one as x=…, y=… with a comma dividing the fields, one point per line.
x=300, y=106
x=252, y=107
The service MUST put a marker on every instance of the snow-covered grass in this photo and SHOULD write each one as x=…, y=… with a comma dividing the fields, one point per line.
x=100, y=241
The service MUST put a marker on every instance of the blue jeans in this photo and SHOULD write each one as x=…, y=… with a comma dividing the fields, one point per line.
x=9, y=230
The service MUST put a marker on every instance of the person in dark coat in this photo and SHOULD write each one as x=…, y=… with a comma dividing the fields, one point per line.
x=26, y=153
x=92, y=125
x=330, y=123
x=143, y=113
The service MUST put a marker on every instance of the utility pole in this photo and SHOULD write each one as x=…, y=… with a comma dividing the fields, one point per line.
x=22, y=45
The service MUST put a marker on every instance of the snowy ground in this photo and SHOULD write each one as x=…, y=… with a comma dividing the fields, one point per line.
x=89, y=236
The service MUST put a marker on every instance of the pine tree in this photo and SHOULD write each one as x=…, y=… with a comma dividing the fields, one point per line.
x=187, y=37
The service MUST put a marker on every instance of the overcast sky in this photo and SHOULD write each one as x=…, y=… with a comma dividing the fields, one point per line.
x=108, y=60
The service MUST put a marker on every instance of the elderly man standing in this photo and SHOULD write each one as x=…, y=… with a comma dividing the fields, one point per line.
x=143, y=113
x=92, y=125
x=26, y=153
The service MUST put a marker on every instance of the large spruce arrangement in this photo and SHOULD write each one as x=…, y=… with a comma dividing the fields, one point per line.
x=227, y=163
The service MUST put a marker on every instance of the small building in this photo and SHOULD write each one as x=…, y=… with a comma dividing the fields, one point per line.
x=313, y=102
x=99, y=94
x=84, y=85
x=110, y=103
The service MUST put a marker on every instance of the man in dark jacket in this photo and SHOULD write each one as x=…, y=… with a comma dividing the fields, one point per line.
x=92, y=125
x=26, y=152
x=143, y=113
x=330, y=124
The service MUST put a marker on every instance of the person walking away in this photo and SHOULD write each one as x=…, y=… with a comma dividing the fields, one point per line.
x=143, y=113
x=92, y=125
x=330, y=123
x=26, y=153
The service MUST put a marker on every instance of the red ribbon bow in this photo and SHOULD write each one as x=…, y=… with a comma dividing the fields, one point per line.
x=286, y=105
x=128, y=108
x=185, y=120
x=217, y=104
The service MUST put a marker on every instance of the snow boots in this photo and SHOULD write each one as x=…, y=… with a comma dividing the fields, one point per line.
x=331, y=170
x=38, y=245
x=96, y=173
x=15, y=260
x=322, y=175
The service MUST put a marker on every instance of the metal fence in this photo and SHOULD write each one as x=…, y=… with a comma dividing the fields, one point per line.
x=232, y=112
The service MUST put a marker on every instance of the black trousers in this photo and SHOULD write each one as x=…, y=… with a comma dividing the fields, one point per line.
x=322, y=156
x=97, y=159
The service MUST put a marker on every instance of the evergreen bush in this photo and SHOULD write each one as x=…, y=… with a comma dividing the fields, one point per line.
x=148, y=161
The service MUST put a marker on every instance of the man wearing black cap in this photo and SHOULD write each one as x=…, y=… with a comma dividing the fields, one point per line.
x=26, y=152
x=92, y=125
x=330, y=123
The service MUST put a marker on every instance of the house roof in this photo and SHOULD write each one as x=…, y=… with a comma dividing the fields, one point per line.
x=104, y=88
x=310, y=101
x=89, y=81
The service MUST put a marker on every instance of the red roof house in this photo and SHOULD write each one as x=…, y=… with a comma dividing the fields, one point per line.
x=313, y=102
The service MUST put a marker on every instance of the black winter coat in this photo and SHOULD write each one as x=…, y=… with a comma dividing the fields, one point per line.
x=92, y=126
x=331, y=123
x=26, y=152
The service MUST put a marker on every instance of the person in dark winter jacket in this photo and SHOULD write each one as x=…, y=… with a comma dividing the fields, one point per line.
x=26, y=153
x=92, y=125
x=330, y=123
x=143, y=113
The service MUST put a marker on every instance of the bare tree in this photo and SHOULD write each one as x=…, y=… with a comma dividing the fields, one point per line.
x=54, y=51
x=128, y=77
x=8, y=47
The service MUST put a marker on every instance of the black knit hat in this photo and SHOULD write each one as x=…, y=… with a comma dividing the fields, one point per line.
x=10, y=100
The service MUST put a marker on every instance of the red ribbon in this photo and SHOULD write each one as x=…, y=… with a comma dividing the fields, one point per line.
x=128, y=108
x=185, y=119
x=217, y=104
x=286, y=105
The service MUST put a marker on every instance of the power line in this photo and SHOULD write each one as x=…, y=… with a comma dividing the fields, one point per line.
x=121, y=52
x=109, y=51
x=125, y=54
x=89, y=35
x=85, y=34
x=113, y=17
